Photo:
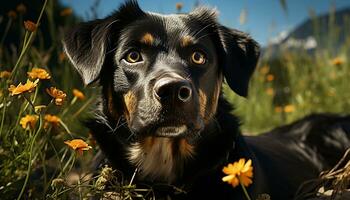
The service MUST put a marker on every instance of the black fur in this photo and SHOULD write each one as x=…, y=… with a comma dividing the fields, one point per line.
x=282, y=158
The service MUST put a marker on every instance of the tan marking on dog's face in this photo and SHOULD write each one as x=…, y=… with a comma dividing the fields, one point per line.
x=147, y=39
x=215, y=98
x=202, y=103
x=130, y=104
x=186, y=41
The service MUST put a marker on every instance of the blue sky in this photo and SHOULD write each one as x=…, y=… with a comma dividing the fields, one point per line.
x=265, y=18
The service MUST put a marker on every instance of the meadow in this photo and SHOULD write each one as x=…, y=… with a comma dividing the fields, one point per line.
x=45, y=150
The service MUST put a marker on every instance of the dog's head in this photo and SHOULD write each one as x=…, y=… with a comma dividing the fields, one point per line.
x=163, y=73
x=167, y=67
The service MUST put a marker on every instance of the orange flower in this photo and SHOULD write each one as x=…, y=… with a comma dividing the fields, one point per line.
x=39, y=73
x=30, y=26
x=265, y=69
x=12, y=14
x=78, y=144
x=66, y=12
x=270, y=91
x=5, y=74
x=28, y=120
x=58, y=95
x=270, y=77
x=53, y=119
x=337, y=61
x=289, y=108
x=28, y=87
x=78, y=94
x=21, y=8
x=179, y=6
x=278, y=109
x=237, y=172
x=61, y=56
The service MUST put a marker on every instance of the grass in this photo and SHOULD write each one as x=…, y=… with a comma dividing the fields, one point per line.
x=35, y=162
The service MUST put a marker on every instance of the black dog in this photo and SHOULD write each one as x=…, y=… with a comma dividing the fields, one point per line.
x=162, y=110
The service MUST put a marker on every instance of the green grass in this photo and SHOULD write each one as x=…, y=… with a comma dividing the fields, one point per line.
x=36, y=163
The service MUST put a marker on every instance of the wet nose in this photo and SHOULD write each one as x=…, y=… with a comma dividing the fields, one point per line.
x=173, y=89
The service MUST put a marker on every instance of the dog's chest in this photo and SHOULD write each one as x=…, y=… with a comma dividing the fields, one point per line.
x=160, y=159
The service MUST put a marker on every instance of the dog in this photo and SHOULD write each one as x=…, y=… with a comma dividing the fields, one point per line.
x=162, y=113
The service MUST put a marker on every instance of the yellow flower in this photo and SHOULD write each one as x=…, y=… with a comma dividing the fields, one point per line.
x=28, y=87
x=28, y=120
x=5, y=74
x=289, y=108
x=66, y=12
x=78, y=94
x=239, y=171
x=337, y=61
x=53, y=119
x=21, y=8
x=30, y=26
x=58, y=95
x=270, y=77
x=78, y=144
x=38, y=73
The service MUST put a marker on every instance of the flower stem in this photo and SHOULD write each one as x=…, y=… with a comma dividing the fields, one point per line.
x=244, y=190
x=30, y=158
x=27, y=42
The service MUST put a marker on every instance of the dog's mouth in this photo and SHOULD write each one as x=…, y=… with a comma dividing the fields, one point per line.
x=171, y=131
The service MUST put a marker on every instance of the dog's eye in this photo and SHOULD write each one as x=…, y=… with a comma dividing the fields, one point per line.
x=198, y=58
x=133, y=57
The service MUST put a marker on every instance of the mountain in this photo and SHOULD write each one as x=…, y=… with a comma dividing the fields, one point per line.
x=329, y=30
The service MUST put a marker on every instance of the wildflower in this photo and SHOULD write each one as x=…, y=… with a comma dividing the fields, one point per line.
x=21, y=8
x=58, y=95
x=28, y=87
x=78, y=144
x=337, y=61
x=30, y=26
x=106, y=176
x=179, y=6
x=12, y=14
x=66, y=12
x=28, y=120
x=265, y=69
x=61, y=56
x=239, y=171
x=78, y=94
x=39, y=73
x=5, y=74
x=53, y=119
x=289, y=108
x=243, y=17
x=278, y=109
x=270, y=91
x=58, y=182
x=270, y=77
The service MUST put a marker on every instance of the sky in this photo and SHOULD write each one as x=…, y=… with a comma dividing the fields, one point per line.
x=265, y=19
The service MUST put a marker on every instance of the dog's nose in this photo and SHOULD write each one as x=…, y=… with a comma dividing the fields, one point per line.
x=173, y=89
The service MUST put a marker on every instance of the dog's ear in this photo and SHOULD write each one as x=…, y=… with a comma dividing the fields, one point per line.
x=87, y=44
x=241, y=55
